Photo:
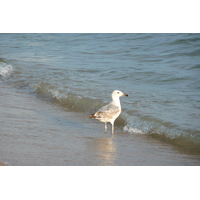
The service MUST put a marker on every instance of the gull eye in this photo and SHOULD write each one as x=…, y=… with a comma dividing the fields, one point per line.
x=117, y=92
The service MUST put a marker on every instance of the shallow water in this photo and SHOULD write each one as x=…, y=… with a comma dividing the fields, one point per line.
x=78, y=72
x=35, y=132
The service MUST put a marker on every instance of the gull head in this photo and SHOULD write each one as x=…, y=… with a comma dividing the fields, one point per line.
x=117, y=93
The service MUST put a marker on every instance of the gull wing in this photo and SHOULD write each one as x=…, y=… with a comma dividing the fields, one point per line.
x=109, y=111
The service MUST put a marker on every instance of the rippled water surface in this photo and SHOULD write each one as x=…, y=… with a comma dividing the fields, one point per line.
x=78, y=72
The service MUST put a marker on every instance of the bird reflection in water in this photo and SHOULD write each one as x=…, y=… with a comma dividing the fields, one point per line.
x=102, y=151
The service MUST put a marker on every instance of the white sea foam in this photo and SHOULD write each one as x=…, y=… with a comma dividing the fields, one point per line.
x=5, y=69
x=133, y=130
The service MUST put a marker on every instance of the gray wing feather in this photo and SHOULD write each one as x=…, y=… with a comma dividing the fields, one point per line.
x=107, y=111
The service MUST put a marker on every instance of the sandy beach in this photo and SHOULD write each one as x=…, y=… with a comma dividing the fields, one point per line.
x=37, y=133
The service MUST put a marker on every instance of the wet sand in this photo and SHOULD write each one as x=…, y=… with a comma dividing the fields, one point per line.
x=2, y=164
x=38, y=133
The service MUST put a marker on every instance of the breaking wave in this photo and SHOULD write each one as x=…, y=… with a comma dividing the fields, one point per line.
x=69, y=101
x=129, y=121
x=5, y=69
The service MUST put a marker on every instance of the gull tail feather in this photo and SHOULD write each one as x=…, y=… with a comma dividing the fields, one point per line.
x=92, y=116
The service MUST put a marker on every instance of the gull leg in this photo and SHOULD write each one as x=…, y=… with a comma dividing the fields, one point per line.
x=112, y=128
x=105, y=126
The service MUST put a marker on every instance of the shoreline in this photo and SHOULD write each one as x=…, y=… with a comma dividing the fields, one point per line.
x=39, y=133
x=1, y=164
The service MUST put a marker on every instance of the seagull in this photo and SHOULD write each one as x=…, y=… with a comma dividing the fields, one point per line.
x=110, y=112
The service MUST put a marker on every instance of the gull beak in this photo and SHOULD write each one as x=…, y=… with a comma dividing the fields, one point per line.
x=125, y=94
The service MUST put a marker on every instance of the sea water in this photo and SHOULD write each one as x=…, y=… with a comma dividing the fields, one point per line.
x=78, y=72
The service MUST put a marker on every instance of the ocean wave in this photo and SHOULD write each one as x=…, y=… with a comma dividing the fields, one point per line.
x=187, y=40
x=186, y=140
x=133, y=130
x=5, y=69
x=195, y=66
x=194, y=53
x=70, y=101
x=129, y=121
x=158, y=71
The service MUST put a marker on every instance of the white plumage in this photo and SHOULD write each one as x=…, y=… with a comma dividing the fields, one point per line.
x=110, y=112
